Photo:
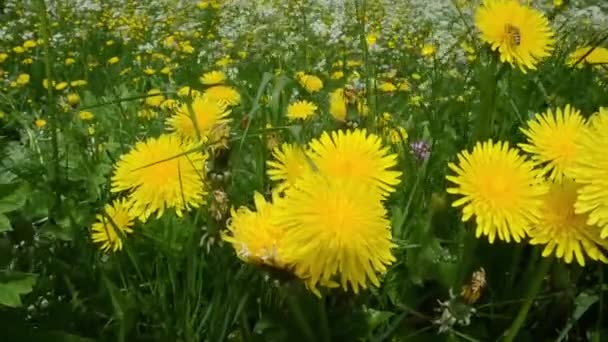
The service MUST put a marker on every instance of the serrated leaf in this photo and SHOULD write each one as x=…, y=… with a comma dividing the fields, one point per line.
x=13, y=287
x=5, y=224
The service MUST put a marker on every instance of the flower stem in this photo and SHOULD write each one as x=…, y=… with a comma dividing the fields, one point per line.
x=294, y=306
x=48, y=68
x=325, y=333
x=535, y=285
x=598, y=323
x=488, y=81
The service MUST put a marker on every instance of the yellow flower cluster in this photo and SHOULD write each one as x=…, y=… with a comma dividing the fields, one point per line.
x=326, y=222
x=168, y=172
x=559, y=197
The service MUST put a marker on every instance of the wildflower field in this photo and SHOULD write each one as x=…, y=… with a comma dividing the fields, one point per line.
x=303, y=170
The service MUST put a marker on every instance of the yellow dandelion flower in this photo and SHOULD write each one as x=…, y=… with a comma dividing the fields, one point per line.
x=78, y=83
x=213, y=78
x=29, y=44
x=358, y=156
x=387, y=87
x=224, y=61
x=588, y=54
x=591, y=172
x=500, y=188
x=371, y=39
x=564, y=232
x=301, y=110
x=73, y=99
x=40, y=123
x=254, y=235
x=111, y=227
x=3, y=57
x=209, y=116
x=165, y=70
x=187, y=91
x=336, y=75
x=169, y=104
x=336, y=230
x=522, y=35
x=428, y=50
x=405, y=86
x=337, y=104
x=23, y=79
x=289, y=165
x=311, y=83
x=113, y=60
x=223, y=93
x=149, y=71
x=154, y=98
x=85, y=115
x=61, y=85
x=147, y=113
x=397, y=135
x=161, y=173
x=552, y=139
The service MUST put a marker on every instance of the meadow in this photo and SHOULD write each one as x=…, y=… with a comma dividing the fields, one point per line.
x=303, y=170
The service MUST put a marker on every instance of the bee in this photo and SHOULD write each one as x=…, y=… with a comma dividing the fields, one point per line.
x=514, y=34
x=472, y=291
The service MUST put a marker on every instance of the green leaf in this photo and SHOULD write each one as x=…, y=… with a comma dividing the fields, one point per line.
x=375, y=318
x=14, y=286
x=582, y=303
x=5, y=224
x=13, y=201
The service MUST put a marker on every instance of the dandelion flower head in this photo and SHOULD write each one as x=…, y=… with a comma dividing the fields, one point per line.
x=289, y=165
x=336, y=232
x=221, y=93
x=203, y=116
x=161, y=173
x=564, y=232
x=254, y=235
x=301, y=110
x=109, y=229
x=552, y=139
x=213, y=78
x=500, y=188
x=522, y=35
x=356, y=155
x=591, y=172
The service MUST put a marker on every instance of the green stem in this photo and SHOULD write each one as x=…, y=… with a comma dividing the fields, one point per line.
x=514, y=265
x=598, y=323
x=469, y=243
x=488, y=80
x=245, y=328
x=535, y=285
x=294, y=306
x=48, y=68
x=325, y=332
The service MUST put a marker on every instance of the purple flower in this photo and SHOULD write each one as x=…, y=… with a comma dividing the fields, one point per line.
x=421, y=149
